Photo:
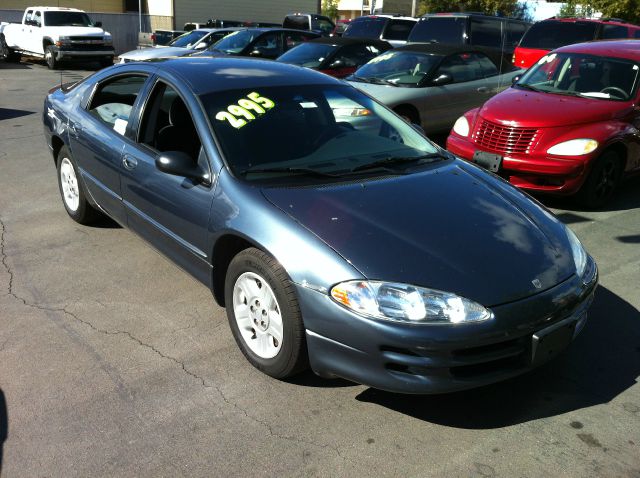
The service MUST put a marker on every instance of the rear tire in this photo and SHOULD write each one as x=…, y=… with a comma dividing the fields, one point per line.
x=50, y=58
x=7, y=53
x=72, y=190
x=603, y=180
x=264, y=315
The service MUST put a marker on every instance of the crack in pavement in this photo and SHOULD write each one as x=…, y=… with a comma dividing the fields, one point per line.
x=200, y=379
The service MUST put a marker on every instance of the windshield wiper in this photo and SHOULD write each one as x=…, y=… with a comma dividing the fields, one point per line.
x=307, y=171
x=526, y=86
x=372, y=79
x=390, y=160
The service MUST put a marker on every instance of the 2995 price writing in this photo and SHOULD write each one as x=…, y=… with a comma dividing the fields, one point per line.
x=246, y=110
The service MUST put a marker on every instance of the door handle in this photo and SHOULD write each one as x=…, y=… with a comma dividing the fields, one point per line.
x=129, y=162
x=483, y=89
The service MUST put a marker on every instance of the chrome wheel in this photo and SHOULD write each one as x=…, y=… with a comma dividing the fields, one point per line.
x=69, y=183
x=257, y=315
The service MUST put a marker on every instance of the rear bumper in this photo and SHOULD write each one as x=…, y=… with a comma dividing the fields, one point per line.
x=534, y=171
x=429, y=359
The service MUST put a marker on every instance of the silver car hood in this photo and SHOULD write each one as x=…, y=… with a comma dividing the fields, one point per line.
x=389, y=95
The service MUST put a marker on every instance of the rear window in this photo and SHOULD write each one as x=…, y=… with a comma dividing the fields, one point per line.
x=297, y=22
x=549, y=35
x=440, y=30
x=365, y=28
x=398, y=29
x=614, y=31
x=486, y=32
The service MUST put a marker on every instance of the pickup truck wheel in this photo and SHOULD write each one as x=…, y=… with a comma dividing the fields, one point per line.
x=50, y=58
x=7, y=53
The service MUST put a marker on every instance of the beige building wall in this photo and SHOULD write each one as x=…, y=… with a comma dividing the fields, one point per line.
x=242, y=10
x=107, y=6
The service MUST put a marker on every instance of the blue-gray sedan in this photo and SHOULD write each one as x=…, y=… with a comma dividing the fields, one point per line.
x=334, y=233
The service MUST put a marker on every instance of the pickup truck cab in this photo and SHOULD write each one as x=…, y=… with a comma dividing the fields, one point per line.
x=56, y=34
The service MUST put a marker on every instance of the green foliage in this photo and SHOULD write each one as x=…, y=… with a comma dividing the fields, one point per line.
x=330, y=8
x=508, y=8
x=628, y=10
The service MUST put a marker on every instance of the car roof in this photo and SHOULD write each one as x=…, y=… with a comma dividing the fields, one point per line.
x=612, y=21
x=342, y=41
x=440, y=49
x=628, y=49
x=207, y=75
x=211, y=30
x=382, y=15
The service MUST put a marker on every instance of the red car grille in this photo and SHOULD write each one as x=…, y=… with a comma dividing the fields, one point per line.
x=504, y=139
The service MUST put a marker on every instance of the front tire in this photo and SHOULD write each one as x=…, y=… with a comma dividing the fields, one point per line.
x=602, y=181
x=264, y=315
x=72, y=191
x=50, y=58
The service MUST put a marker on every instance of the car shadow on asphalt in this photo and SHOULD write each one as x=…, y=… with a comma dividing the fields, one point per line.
x=626, y=197
x=5, y=65
x=10, y=113
x=4, y=425
x=603, y=362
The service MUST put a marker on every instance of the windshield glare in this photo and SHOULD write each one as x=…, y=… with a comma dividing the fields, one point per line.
x=188, y=40
x=327, y=129
x=67, y=19
x=310, y=55
x=589, y=76
x=399, y=67
x=236, y=42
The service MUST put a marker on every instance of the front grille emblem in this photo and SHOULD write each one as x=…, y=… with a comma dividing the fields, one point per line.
x=537, y=284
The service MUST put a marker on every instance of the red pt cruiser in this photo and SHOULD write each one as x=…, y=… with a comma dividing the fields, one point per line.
x=568, y=125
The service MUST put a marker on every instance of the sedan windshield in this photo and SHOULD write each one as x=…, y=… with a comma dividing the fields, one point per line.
x=236, y=41
x=310, y=55
x=587, y=76
x=310, y=131
x=188, y=40
x=67, y=19
x=400, y=68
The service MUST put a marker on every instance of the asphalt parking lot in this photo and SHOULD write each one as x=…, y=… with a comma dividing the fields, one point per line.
x=114, y=362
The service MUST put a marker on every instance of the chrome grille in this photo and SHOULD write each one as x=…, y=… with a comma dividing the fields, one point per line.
x=504, y=139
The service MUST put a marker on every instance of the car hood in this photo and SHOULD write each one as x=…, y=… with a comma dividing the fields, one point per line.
x=149, y=53
x=517, y=107
x=453, y=228
x=387, y=94
x=76, y=31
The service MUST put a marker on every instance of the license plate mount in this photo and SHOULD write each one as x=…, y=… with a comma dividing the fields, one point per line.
x=549, y=342
x=489, y=161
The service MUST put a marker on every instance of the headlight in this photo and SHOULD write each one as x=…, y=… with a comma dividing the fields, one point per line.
x=108, y=40
x=62, y=40
x=578, y=252
x=407, y=303
x=461, y=126
x=351, y=112
x=574, y=147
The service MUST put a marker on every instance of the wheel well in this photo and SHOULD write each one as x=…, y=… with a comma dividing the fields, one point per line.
x=46, y=42
x=410, y=111
x=57, y=144
x=225, y=249
x=620, y=150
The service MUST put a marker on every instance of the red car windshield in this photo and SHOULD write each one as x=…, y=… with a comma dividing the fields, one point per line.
x=588, y=76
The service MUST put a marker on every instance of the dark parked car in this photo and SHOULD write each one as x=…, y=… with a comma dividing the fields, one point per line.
x=568, y=125
x=328, y=242
x=164, y=37
x=547, y=35
x=394, y=29
x=501, y=34
x=309, y=22
x=258, y=42
x=335, y=56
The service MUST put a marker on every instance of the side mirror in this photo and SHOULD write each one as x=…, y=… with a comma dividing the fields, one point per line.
x=178, y=163
x=97, y=24
x=255, y=52
x=442, y=80
x=200, y=46
x=515, y=79
x=337, y=64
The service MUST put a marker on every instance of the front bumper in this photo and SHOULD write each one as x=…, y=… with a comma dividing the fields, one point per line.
x=533, y=171
x=93, y=53
x=410, y=358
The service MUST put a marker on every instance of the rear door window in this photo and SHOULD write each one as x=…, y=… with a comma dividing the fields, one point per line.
x=614, y=31
x=440, y=30
x=365, y=28
x=461, y=67
x=398, y=30
x=486, y=32
x=297, y=22
x=514, y=33
x=323, y=25
x=113, y=100
x=552, y=34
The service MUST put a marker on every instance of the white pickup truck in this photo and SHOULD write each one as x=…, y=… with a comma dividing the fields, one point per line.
x=56, y=34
